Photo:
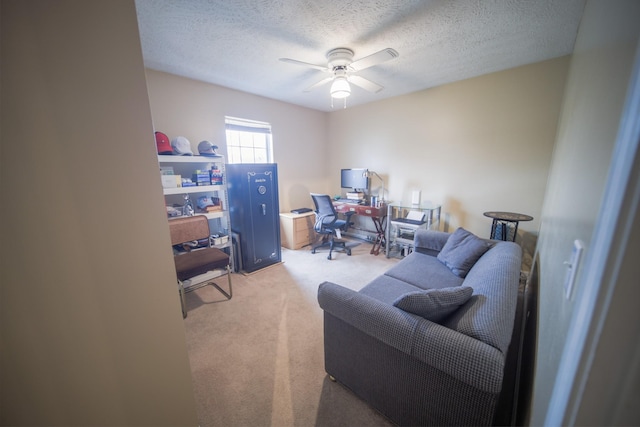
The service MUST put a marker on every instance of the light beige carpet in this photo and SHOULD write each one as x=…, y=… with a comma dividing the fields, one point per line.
x=257, y=359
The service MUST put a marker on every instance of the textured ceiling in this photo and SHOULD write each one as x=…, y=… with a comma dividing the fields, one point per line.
x=237, y=43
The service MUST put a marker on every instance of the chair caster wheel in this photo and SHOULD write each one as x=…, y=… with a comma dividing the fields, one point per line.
x=329, y=257
x=313, y=251
x=349, y=252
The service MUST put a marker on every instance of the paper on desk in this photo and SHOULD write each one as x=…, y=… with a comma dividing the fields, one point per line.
x=416, y=216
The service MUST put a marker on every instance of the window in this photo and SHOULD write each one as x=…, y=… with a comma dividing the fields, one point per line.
x=248, y=141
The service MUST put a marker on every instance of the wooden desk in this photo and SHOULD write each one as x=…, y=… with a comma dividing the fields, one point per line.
x=377, y=215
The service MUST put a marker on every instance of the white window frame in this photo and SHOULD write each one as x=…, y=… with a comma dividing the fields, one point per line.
x=248, y=141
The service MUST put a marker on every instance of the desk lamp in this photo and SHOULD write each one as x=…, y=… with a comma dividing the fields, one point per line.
x=367, y=174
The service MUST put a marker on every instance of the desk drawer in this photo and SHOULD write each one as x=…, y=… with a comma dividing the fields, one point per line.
x=296, y=231
x=304, y=223
x=302, y=238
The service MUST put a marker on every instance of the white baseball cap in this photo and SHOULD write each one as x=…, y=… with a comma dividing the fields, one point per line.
x=181, y=146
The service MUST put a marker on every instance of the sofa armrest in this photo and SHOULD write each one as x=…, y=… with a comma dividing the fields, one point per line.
x=430, y=242
x=373, y=317
x=460, y=356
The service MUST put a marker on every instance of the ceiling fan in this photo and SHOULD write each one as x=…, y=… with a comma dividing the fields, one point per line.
x=342, y=69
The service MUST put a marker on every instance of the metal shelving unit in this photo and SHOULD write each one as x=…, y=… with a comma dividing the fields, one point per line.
x=219, y=221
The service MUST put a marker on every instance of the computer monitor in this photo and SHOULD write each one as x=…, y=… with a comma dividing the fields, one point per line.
x=355, y=179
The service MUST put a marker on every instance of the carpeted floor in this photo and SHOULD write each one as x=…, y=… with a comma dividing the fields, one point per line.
x=257, y=359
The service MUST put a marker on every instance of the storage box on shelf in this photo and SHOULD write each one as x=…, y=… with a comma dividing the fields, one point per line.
x=402, y=223
x=201, y=182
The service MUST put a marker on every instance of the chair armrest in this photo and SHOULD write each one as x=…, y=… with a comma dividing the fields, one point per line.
x=460, y=356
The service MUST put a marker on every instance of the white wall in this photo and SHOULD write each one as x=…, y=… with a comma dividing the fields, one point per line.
x=478, y=145
x=196, y=110
x=92, y=332
x=595, y=94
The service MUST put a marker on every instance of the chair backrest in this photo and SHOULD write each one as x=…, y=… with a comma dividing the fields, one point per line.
x=188, y=228
x=326, y=214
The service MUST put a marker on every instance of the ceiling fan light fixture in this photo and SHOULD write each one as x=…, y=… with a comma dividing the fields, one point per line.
x=340, y=88
x=342, y=69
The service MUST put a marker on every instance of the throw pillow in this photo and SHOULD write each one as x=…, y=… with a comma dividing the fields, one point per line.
x=461, y=251
x=434, y=304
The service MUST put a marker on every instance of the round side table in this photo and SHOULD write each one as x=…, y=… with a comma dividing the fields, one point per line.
x=502, y=221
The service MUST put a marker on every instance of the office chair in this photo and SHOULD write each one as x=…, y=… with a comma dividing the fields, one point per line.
x=199, y=260
x=326, y=224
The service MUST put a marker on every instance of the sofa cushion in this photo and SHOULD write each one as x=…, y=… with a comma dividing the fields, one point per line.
x=461, y=251
x=434, y=304
x=387, y=289
x=429, y=242
x=424, y=272
x=488, y=315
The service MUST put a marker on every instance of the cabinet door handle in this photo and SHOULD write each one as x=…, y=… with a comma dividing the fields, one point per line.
x=264, y=209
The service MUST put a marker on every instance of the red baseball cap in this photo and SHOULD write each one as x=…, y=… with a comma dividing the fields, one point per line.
x=163, y=144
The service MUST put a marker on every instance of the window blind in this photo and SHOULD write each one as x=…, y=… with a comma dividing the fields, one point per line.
x=247, y=125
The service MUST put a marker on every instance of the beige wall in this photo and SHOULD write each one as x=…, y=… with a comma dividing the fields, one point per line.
x=92, y=331
x=477, y=145
x=196, y=110
x=595, y=94
x=86, y=343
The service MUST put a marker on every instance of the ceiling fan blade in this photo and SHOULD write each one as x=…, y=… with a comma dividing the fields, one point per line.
x=365, y=84
x=320, y=83
x=374, y=59
x=304, y=64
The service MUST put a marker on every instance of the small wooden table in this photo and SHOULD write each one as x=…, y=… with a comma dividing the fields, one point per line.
x=504, y=219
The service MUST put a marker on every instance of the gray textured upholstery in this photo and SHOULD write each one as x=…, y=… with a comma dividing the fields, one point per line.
x=434, y=304
x=434, y=240
x=387, y=289
x=461, y=251
x=424, y=272
x=489, y=314
x=413, y=370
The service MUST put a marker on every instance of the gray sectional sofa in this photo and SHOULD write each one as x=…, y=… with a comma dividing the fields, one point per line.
x=426, y=343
